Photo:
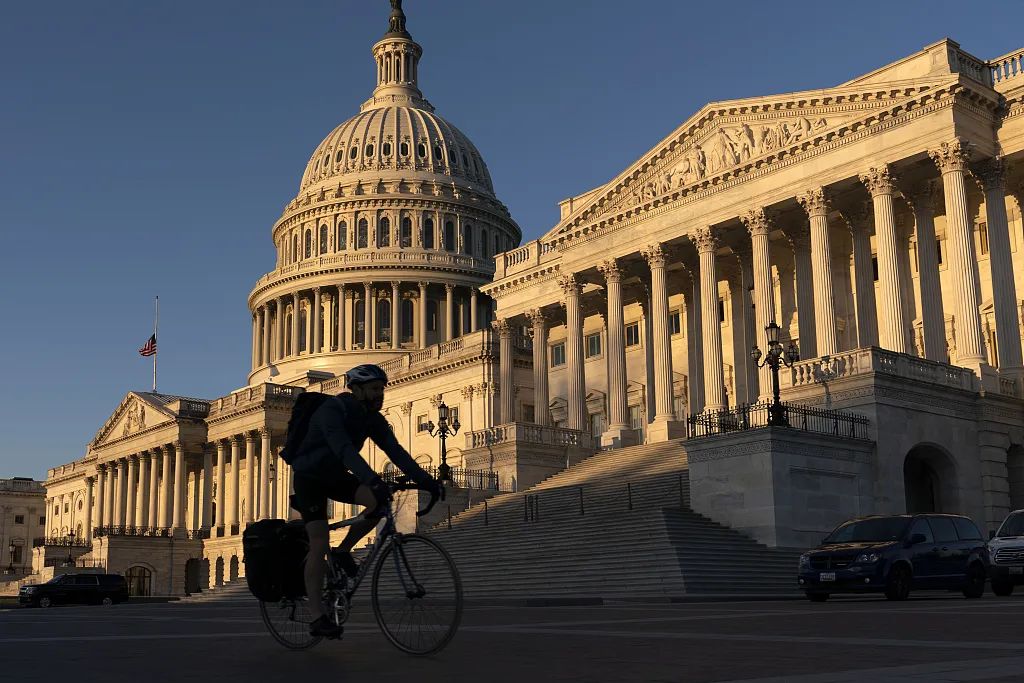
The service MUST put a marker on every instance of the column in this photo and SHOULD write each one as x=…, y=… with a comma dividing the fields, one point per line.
x=132, y=487
x=803, y=272
x=396, y=327
x=295, y=324
x=815, y=203
x=473, y=306
x=892, y=318
x=541, y=402
x=740, y=343
x=714, y=393
x=314, y=319
x=178, y=509
x=265, y=473
x=506, y=371
x=207, y=520
x=101, y=497
x=576, y=382
x=449, y=311
x=694, y=348
x=154, y=491
x=991, y=175
x=860, y=222
x=266, y=334
x=232, y=497
x=250, y=477
x=665, y=426
x=222, y=498
x=165, y=488
x=423, y=315
x=255, y=339
x=108, y=505
x=89, y=482
x=764, y=292
x=932, y=319
x=280, y=318
x=119, y=499
x=140, y=501
x=342, y=341
x=369, y=337
x=618, y=433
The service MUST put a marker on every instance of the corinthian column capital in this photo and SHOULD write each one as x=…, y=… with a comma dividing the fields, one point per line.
x=815, y=202
x=990, y=174
x=756, y=222
x=954, y=155
x=706, y=239
x=569, y=284
x=503, y=326
x=879, y=181
x=611, y=270
x=655, y=255
x=536, y=317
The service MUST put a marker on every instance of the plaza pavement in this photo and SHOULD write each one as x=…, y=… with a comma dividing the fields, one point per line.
x=935, y=638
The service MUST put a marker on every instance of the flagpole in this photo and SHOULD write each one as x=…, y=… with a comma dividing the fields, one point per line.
x=156, y=324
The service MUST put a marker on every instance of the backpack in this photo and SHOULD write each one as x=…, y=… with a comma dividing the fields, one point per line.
x=298, y=424
x=274, y=552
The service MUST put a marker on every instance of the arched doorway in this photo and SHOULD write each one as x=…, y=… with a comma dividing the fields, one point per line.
x=218, y=572
x=929, y=480
x=1015, y=475
x=233, y=568
x=140, y=580
x=193, y=570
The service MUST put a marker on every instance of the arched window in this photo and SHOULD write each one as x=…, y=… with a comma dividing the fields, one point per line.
x=407, y=320
x=428, y=233
x=303, y=341
x=385, y=149
x=384, y=321
x=384, y=233
x=406, y=232
x=431, y=315
x=467, y=239
x=323, y=239
x=309, y=244
x=139, y=580
x=421, y=150
x=359, y=313
x=449, y=236
x=342, y=236
x=295, y=248
x=361, y=236
x=403, y=149
x=484, y=247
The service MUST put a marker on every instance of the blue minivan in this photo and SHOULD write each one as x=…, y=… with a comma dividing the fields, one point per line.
x=894, y=554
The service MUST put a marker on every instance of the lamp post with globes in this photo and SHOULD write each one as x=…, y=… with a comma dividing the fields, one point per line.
x=443, y=430
x=11, y=548
x=71, y=541
x=775, y=357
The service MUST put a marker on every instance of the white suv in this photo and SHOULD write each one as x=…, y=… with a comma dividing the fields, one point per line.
x=1007, y=552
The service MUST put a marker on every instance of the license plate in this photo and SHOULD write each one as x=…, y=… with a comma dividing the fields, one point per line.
x=1017, y=570
x=827, y=576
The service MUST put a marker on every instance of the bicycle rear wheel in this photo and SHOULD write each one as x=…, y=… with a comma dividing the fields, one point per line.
x=288, y=621
x=417, y=594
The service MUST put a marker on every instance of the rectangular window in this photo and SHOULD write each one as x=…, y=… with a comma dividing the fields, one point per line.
x=593, y=345
x=675, y=322
x=19, y=519
x=983, y=238
x=453, y=415
x=938, y=250
x=42, y=520
x=636, y=417
x=421, y=424
x=17, y=555
x=596, y=424
x=874, y=267
x=528, y=414
x=557, y=354
x=632, y=334
x=721, y=310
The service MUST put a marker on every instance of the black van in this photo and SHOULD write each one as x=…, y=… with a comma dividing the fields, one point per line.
x=66, y=589
x=893, y=554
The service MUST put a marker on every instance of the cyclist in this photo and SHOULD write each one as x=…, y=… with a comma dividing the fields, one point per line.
x=327, y=465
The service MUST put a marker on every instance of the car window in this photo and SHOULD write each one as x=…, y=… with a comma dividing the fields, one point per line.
x=866, y=530
x=1012, y=526
x=943, y=529
x=966, y=529
x=86, y=581
x=921, y=527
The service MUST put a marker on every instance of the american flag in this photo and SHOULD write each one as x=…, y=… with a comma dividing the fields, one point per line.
x=149, y=348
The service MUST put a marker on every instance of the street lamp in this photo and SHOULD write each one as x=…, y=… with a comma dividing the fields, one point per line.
x=443, y=430
x=775, y=357
x=71, y=541
x=10, y=549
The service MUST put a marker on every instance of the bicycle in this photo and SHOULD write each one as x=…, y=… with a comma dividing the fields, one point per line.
x=409, y=571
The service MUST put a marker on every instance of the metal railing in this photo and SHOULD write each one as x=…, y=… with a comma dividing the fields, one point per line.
x=758, y=416
x=131, y=531
x=77, y=563
x=481, y=480
x=62, y=541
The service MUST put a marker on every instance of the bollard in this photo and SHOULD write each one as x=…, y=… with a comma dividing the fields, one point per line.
x=629, y=494
x=581, y=500
x=485, y=512
x=449, y=516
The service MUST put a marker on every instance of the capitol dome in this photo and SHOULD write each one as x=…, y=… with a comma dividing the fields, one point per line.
x=394, y=228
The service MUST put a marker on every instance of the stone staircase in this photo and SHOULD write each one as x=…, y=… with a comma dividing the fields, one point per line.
x=615, y=525
x=232, y=591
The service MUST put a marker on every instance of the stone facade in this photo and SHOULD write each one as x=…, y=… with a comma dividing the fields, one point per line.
x=878, y=222
x=22, y=522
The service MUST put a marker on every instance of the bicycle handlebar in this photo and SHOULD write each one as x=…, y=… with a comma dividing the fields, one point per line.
x=403, y=483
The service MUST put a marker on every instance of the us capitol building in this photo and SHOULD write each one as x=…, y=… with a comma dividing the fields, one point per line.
x=876, y=222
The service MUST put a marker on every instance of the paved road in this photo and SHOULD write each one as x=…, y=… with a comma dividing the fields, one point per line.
x=934, y=639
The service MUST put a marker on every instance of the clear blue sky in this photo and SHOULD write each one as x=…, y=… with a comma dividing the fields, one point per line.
x=148, y=147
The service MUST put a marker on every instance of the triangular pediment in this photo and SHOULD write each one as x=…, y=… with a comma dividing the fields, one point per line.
x=137, y=413
x=724, y=139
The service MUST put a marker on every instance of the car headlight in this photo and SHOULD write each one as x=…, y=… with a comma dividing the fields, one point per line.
x=868, y=558
x=805, y=561
x=29, y=589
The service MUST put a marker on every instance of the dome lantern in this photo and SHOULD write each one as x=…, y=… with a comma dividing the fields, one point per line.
x=398, y=57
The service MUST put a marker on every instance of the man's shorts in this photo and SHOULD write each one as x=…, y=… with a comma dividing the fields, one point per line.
x=311, y=494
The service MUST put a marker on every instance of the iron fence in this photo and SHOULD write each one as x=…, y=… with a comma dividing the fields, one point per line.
x=788, y=415
x=131, y=531
x=62, y=541
x=481, y=480
x=77, y=563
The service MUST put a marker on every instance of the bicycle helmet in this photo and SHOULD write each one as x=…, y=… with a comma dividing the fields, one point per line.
x=367, y=372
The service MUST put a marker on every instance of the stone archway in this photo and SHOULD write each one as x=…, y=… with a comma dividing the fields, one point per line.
x=930, y=480
x=1015, y=476
x=233, y=568
x=218, y=572
x=193, y=571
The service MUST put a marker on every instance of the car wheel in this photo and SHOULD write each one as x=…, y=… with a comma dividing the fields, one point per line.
x=975, y=587
x=1002, y=588
x=817, y=597
x=898, y=585
x=107, y=600
x=45, y=602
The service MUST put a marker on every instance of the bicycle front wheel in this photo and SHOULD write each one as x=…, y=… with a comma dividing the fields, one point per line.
x=288, y=621
x=417, y=594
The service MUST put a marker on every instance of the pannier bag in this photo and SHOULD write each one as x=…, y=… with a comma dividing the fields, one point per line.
x=274, y=552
